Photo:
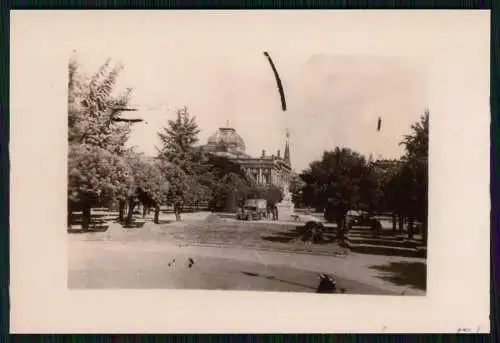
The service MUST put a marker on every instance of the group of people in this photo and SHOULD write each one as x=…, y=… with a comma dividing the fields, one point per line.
x=272, y=212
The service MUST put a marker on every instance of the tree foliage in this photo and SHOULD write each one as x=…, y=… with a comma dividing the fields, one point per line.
x=96, y=176
x=416, y=159
x=341, y=180
x=228, y=183
x=406, y=188
x=271, y=193
x=148, y=175
x=416, y=144
x=92, y=106
x=186, y=167
x=344, y=180
x=183, y=190
x=178, y=141
x=296, y=188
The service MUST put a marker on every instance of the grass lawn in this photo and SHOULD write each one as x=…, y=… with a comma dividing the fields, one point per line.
x=216, y=231
x=255, y=235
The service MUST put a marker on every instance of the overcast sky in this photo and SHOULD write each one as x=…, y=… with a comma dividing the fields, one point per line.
x=333, y=99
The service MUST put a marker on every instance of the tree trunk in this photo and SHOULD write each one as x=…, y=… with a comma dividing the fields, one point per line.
x=341, y=230
x=177, y=211
x=121, y=211
x=410, y=227
x=157, y=214
x=130, y=214
x=401, y=222
x=340, y=227
x=394, y=224
x=144, y=211
x=85, y=216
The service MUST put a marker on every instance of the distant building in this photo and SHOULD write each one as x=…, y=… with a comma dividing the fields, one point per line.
x=265, y=170
x=387, y=165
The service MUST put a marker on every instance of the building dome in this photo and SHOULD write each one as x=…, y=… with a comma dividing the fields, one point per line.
x=226, y=139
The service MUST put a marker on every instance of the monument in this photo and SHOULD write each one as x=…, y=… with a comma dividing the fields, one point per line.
x=286, y=207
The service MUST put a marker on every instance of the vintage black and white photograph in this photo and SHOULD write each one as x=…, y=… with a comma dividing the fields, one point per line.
x=233, y=171
x=218, y=171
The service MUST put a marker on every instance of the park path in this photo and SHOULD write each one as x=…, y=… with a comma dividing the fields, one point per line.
x=352, y=267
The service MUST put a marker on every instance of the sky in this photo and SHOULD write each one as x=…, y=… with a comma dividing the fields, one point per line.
x=333, y=99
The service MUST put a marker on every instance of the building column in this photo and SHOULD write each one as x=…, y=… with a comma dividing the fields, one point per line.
x=260, y=176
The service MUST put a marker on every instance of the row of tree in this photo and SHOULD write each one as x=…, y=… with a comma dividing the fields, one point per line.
x=344, y=179
x=103, y=172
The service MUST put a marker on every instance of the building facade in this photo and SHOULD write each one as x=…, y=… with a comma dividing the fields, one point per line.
x=387, y=165
x=265, y=170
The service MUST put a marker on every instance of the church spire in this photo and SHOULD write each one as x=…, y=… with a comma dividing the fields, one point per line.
x=286, y=156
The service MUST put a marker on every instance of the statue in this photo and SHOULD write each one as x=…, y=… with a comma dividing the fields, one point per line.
x=287, y=196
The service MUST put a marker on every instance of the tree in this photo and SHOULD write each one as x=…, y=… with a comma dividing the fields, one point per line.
x=182, y=188
x=149, y=187
x=228, y=183
x=394, y=196
x=297, y=186
x=178, y=141
x=93, y=108
x=187, y=165
x=416, y=144
x=271, y=193
x=398, y=193
x=370, y=193
x=94, y=133
x=96, y=176
x=341, y=180
x=416, y=159
x=314, y=192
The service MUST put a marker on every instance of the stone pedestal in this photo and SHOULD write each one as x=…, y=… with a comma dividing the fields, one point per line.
x=285, y=210
x=286, y=207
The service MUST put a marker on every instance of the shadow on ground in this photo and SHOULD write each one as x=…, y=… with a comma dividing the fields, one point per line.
x=135, y=225
x=101, y=222
x=98, y=223
x=270, y=277
x=164, y=222
x=413, y=274
x=93, y=228
x=297, y=234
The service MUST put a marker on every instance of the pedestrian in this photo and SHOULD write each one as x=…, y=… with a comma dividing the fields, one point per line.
x=326, y=285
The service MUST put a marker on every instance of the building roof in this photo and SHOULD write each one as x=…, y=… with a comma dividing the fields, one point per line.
x=226, y=142
x=226, y=139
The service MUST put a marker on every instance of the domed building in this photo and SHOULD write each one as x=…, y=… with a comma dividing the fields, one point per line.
x=226, y=141
x=265, y=170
